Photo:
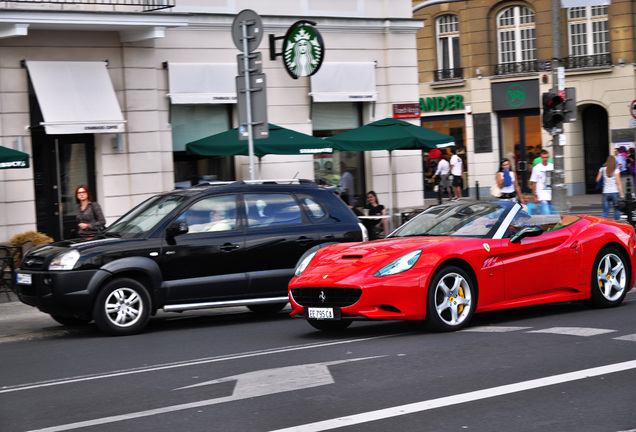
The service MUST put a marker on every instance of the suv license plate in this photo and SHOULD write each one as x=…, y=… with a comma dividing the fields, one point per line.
x=23, y=279
x=320, y=313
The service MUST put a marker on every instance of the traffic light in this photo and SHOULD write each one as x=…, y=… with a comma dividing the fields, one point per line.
x=552, y=114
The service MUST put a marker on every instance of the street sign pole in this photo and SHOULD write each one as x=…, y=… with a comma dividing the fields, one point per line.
x=248, y=97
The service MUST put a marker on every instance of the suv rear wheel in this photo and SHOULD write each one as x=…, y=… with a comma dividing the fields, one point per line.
x=122, y=307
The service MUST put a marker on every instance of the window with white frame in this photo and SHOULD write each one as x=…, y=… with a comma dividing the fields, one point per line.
x=588, y=29
x=516, y=35
x=448, y=47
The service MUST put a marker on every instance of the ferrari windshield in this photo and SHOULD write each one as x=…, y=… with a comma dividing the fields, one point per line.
x=477, y=219
x=145, y=216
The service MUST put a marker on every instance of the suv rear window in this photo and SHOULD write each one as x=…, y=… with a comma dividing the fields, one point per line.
x=271, y=209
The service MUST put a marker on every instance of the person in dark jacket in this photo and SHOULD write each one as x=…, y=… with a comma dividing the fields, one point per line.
x=90, y=218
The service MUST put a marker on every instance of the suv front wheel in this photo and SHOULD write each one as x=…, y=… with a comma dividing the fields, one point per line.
x=122, y=307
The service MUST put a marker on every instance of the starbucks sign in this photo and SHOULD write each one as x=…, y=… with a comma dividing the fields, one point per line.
x=303, y=50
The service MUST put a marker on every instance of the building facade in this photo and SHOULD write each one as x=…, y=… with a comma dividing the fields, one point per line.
x=109, y=96
x=484, y=65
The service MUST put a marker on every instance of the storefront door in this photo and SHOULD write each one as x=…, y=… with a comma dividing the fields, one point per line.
x=61, y=163
x=520, y=143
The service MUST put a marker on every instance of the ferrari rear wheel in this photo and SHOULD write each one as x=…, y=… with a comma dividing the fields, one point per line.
x=330, y=326
x=451, y=299
x=610, y=277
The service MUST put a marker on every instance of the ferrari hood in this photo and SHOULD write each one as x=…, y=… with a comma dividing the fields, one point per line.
x=345, y=255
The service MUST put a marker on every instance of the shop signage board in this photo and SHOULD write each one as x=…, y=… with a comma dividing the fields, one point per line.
x=406, y=110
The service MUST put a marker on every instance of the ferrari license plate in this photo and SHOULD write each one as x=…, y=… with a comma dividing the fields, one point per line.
x=320, y=313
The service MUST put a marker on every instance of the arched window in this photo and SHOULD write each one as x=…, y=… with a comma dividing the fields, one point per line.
x=588, y=31
x=516, y=37
x=448, y=62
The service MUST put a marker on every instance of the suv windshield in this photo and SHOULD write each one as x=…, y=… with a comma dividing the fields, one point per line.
x=145, y=216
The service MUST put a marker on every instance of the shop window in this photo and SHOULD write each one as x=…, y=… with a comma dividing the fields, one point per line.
x=329, y=119
x=190, y=122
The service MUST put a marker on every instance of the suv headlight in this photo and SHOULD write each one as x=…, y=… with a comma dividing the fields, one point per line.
x=400, y=265
x=65, y=261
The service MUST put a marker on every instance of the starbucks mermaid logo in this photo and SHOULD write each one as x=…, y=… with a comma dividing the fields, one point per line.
x=303, y=51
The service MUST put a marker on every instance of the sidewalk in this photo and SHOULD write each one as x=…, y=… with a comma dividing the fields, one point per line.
x=21, y=322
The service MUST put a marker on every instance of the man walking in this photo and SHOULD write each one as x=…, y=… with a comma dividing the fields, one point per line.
x=456, y=168
x=541, y=181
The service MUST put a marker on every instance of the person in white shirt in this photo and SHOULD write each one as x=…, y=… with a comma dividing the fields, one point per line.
x=443, y=169
x=541, y=181
x=612, y=186
x=507, y=181
x=456, y=167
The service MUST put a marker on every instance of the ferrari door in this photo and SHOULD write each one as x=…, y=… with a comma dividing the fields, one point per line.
x=541, y=264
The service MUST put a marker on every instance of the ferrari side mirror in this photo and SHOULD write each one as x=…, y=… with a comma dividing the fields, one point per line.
x=529, y=231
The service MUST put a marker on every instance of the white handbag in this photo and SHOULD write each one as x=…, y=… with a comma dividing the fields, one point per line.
x=495, y=191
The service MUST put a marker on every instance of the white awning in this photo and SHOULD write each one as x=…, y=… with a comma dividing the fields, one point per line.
x=202, y=83
x=76, y=97
x=344, y=82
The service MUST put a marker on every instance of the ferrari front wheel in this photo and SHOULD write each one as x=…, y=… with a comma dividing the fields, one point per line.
x=610, y=277
x=451, y=299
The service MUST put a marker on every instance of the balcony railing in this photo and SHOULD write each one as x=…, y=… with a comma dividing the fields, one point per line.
x=144, y=5
x=515, y=68
x=580, y=62
x=449, y=74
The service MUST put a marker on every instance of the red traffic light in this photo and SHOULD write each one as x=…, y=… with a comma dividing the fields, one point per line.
x=552, y=115
x=551, y=100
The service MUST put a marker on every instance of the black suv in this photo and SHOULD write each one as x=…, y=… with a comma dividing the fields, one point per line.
x=207, y=246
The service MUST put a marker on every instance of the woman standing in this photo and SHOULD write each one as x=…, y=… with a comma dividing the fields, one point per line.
x=90, y=218
x=612, y=186
x=376, y=209
x=507, y=181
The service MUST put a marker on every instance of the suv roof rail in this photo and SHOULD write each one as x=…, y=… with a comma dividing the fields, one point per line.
x=276, y=181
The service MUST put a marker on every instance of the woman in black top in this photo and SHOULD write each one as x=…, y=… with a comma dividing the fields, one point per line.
x=90, y=218
x=376, y=209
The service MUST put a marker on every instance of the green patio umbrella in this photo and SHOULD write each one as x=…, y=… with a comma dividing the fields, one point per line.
x=390, y=134
x=280, y=141
x=10, y=158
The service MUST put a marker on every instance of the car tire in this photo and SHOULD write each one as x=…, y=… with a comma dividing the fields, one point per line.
x=122, y=307
x=71, y=322
x=330, y=326
x=451, y=299
x=267, y=309
x=610, y=278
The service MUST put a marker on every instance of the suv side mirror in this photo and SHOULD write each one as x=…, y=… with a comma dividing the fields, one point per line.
x=529, y=231
x=176, y=228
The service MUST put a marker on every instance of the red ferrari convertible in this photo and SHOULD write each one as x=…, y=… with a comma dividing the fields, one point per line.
x=461, y=258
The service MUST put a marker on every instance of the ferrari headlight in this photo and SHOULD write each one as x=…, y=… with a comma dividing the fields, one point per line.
x=400, y=265
x=304, y=263
x=65, y=261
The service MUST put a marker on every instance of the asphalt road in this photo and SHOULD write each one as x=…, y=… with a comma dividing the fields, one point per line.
x=550, y=368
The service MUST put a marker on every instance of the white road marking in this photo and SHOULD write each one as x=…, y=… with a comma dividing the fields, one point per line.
x=631, y=338
x=494, y=329
x=574, y=331
x=382, y=414
x=248, y=385
x=188, y=363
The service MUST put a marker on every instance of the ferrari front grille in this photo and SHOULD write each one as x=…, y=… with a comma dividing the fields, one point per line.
x=326, y=296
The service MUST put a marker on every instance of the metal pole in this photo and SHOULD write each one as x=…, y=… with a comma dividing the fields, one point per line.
x=559, y=190
x=248, y=96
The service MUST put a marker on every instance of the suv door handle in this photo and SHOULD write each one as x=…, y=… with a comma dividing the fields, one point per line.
x=229, y=247
x=302, y=240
